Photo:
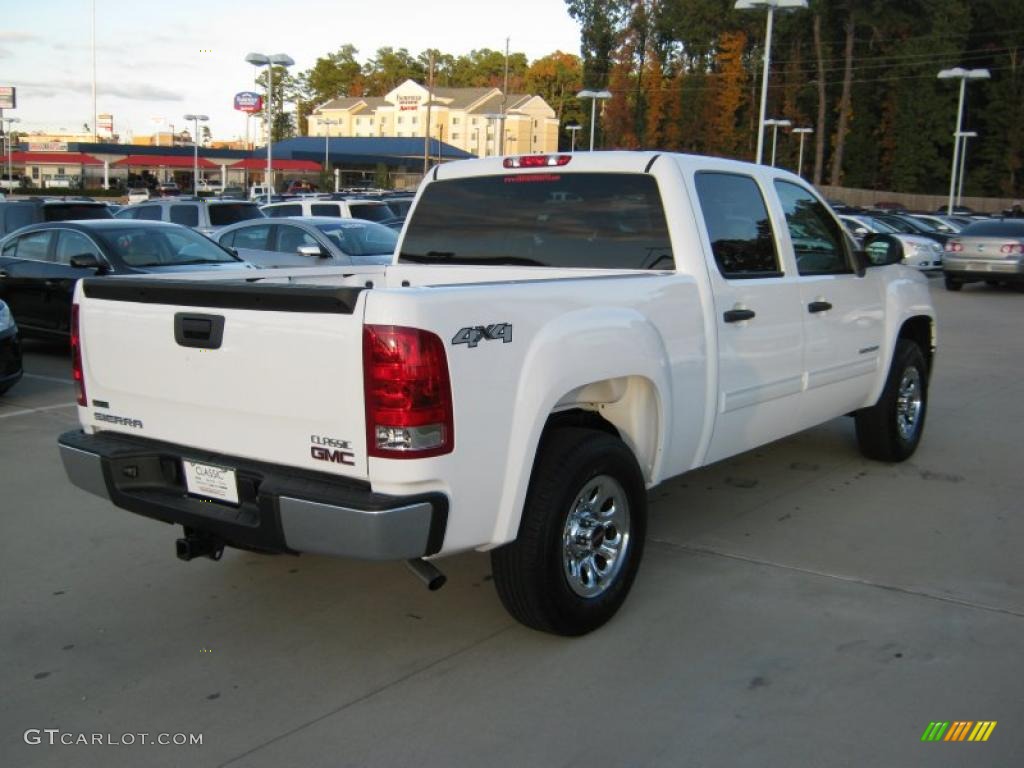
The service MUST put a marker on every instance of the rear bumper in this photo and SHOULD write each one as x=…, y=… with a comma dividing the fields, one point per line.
x=10, y=359
x=983, y=269
x=280, y=509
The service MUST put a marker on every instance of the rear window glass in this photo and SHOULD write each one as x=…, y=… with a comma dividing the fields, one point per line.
x=73, y=211
x=292, y=209
x=230, y=213
x=994, y=229
x=185, y=214
x=371, y=211
x=325, y=209
x=583, y=220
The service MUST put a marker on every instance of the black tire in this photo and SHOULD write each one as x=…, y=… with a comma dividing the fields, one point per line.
x=883, y=432
x=993, y=283
x=530, y=572
x=953, y=285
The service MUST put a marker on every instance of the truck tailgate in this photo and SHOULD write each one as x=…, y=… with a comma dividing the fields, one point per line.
x=271, y=373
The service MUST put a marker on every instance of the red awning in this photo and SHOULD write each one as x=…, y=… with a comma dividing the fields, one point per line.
x=260, y=164
x=162, y=161
x=52, y=158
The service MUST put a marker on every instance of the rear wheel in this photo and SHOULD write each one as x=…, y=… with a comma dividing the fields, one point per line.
x=581, y=537
x=953, y=285
x=891, y=429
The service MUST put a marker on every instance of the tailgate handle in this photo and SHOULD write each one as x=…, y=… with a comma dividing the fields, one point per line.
x=198, y=331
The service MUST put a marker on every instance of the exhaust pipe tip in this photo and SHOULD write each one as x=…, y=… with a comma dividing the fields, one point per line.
x=428, y=573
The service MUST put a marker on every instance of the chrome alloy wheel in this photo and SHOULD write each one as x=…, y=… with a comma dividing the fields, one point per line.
x=595, y=539
x=909, y=402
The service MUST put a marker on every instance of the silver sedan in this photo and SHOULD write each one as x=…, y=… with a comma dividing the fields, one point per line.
x=310, y=241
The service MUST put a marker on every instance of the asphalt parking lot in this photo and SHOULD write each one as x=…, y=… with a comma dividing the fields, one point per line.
x=797, y=606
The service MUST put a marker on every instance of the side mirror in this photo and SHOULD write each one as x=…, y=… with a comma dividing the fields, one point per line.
x=87, y=261
x=313, y=251
x=861, y=232
x=882, y=250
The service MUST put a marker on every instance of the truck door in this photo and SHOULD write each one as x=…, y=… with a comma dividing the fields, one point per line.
x=758, y=312
x=842, y=312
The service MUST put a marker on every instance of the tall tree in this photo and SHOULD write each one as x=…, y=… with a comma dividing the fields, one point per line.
x=599, y=23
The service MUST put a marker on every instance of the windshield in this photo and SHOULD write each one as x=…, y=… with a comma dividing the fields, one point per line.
x=551, y=219
x=364, y=238
x=75, y=211
x=229, y=213
x=162, y=247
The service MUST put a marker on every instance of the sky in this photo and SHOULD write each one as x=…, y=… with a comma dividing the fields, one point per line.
x=157, y=61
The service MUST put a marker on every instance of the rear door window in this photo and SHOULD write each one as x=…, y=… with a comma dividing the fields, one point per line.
x=549, y=219
x=325, y=209
x=254, y=238
x=185, y=214
x=292, y=209
x=232, y=213
x=738, y=226
x=35, y=246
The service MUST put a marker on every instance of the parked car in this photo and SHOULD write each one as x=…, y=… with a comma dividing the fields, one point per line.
x=59, y=182
x=310, y=241
x=234, y=193
x=992, y=251
x=40, y=264
x=957, y=210
x=166, y=189
x=205, y=215
x=258, y=192
x=948, y=225
x=138, y=195
x=909, y=225
x=351, y=208
x=34, y=210
x=919, y=252
x=515, y=382
x=10, y=350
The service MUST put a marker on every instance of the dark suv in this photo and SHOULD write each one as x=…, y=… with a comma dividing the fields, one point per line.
x=15, y=214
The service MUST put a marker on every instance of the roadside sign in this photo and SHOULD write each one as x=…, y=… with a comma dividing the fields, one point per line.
x=247, y=101
x=8, y=97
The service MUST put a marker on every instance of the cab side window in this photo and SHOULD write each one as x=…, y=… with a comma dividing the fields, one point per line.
x=35, y=246
x=816, y=235
x=187, y=215
x=738, y=225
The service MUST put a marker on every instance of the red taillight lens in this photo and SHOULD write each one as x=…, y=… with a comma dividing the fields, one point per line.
x=953, y=246
x=1012, y=248
x=537, y=161
x=408, y=393
x=76, y=357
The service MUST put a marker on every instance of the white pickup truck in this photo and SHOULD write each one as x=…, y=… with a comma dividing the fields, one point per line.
x=556, y=335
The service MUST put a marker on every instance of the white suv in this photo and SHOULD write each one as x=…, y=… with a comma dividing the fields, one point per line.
x=355, y=208
x=201, y=214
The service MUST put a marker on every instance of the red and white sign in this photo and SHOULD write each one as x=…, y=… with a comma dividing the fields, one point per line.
x=409, y=102
x=247, y=101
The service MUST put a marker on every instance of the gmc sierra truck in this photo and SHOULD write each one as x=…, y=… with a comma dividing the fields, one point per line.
x=556, y=335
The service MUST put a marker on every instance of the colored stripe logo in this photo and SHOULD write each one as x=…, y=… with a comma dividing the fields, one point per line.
x=959, y=730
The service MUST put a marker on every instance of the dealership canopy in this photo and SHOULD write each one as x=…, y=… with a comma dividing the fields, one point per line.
x=162, y=161
x=52, y=158
x=260, y=164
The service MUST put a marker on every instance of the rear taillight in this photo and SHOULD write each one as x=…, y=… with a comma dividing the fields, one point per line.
x=1012, y=248
x=408, y=393
x=537, y=161
x=76, y=356
x=954, y=246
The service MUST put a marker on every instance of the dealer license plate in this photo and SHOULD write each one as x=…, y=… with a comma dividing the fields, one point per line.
x=210, y=481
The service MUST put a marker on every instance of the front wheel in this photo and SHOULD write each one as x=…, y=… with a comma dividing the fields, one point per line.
x=891, y=429
x=953, y=285
x=581, y=537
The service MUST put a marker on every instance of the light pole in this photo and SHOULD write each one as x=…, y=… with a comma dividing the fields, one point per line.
x=964, y=136
x=326, y=123
x=776, y=124
x=196, y=119
x=10, y=151
x=771, y=5
x=573, y=129
x=262, y=60
x=593, y=96
x=963, y=75
x=800, y=161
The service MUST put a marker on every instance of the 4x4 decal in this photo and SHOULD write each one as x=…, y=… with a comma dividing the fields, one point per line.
x=473, y=335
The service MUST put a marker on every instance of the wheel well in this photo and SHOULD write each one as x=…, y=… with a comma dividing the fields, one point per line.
x=919, y=330
x=578, y=417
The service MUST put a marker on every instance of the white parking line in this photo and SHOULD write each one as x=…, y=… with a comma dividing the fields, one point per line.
x=28, y=411
x=45, y=378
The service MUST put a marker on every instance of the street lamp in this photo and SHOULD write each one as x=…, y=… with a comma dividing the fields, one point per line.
x=10, y=151
x=262, y=60
x=771, y=5
x=573, y=129
x=776, y=124
x=326, y=123
x=196, y=119
x=964, y=136
x=593, y=96
x=963, y=75
x=800, y=162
